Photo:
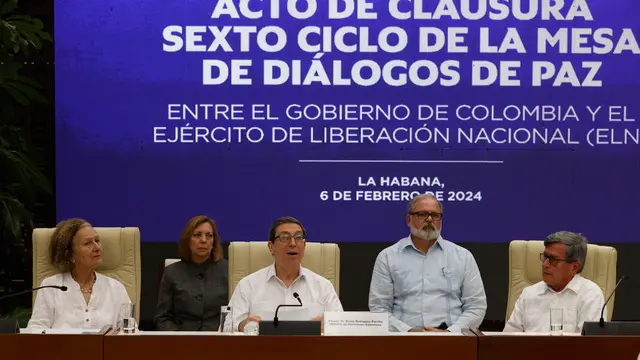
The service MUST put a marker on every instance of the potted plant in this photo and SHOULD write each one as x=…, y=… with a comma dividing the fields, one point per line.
x=21, y=181
x=22, y=315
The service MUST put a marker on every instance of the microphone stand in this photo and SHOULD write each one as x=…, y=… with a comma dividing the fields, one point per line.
x=62, y=288
x=275, y=319
x=601, y=322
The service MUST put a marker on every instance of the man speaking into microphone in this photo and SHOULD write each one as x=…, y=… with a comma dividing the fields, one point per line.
x=260, y=293
x=561, y=287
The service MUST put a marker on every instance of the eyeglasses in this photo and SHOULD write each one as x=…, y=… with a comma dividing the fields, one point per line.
x=286, y=238
x=552, y=260
x=425, y=214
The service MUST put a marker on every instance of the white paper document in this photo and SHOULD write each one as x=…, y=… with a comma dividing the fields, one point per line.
x=356, y=323
x=286, y=314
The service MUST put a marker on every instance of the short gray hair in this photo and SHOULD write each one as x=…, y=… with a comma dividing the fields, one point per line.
x=576, y=245
x=423, y=196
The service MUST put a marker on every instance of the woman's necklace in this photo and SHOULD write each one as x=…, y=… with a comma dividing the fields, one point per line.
x=88, y=290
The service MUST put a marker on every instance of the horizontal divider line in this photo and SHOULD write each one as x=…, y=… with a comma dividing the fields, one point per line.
x=407, y=161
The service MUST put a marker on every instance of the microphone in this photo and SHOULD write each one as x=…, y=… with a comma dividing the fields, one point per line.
x=275, y=318
x=609, y=298
x=61, y=288
x=200, y=276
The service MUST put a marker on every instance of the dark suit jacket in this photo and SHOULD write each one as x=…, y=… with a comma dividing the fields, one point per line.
x=191, y=295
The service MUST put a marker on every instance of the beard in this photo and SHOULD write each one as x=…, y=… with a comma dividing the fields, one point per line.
x=428, y=232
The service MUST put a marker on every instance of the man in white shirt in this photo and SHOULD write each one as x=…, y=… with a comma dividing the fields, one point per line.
x=257, y=295
x=562, y=287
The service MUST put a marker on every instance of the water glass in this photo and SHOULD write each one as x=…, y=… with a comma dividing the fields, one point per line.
x=252, y=328
x=226, y=319
x=126, y=318
x=556, y=317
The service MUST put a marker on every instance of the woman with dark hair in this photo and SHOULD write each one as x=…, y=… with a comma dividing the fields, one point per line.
x=193, y=290
x=92, y=300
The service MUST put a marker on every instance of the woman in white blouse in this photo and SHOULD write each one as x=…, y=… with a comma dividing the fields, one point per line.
x=92, y=300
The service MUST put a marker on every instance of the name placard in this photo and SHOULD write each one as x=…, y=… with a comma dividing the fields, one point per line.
x=356, y=323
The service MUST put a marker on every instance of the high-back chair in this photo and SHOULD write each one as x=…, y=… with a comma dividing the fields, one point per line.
x=246, y=257
x=120, y=258
x=525, y=269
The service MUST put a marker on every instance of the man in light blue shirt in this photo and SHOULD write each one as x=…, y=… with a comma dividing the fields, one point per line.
x=424, y=282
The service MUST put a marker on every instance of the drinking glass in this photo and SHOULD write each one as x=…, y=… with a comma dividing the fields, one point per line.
x=556, y=317
x=226, y=319
x=126, y=318
x=252, y=328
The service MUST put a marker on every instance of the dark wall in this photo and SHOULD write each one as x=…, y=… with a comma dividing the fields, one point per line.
x=357, y=261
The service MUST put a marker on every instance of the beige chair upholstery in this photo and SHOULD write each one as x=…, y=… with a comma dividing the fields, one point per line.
x=168, y=262
x=525, y=269
x=120, y=258
x=248, y=257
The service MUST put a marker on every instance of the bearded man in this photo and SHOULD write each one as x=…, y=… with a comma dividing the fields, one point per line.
x=424, y=282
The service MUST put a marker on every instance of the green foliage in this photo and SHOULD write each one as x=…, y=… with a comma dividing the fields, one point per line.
x=20, y=314
x=21, y=181
x=20, y=35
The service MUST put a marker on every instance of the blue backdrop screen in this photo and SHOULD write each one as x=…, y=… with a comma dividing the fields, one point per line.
x=521, y=116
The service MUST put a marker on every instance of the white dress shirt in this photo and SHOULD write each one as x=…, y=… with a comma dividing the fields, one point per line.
x=581, y=299
x=56, y=309
x=261, y=292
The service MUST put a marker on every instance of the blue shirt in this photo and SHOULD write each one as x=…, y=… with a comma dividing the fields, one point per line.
x=420, y=290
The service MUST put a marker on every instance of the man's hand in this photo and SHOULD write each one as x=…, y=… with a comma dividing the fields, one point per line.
x=244, y=322
x=430, y=329
x=417, y=330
